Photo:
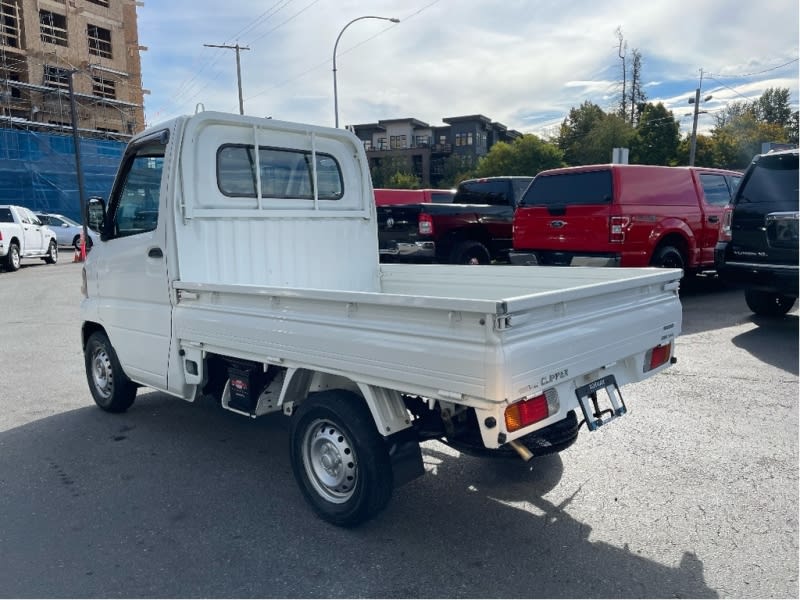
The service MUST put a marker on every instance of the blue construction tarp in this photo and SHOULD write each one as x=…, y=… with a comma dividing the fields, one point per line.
x=37, y=170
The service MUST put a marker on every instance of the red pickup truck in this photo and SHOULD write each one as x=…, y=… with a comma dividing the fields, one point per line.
x=623, y=215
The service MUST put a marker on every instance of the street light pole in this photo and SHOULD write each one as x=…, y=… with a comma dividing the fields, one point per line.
x=78, y=167
x=335, y=92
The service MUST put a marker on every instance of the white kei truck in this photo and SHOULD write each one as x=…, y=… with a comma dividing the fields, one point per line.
x=238, y=258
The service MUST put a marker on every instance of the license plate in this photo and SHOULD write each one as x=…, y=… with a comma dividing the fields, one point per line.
x=594, y=396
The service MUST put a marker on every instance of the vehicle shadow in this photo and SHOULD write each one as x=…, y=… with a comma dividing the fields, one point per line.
x=699, y=292
x=174, y=500
x=774, y=341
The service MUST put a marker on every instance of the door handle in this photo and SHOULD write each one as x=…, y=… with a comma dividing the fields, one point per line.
x=155, y=253
x=713, y=219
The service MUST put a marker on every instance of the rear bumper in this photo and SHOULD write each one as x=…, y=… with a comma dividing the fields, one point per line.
x=779, y=278
x=566, y=259
x=410, y=250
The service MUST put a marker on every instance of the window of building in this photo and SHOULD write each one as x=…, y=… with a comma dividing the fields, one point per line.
x=53, y=28
x=104, y=88
x=382, y=143
x=368, y=145
x=422, y=141
x=56, y=77
x=469, y=139
x=100, y=2
x=9, y=23
x=99, y=41
x=284, y=173
x=442, y=139
x=398, y=142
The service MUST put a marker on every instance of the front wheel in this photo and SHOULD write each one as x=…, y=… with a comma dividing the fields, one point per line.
x=768, y=304
x=52, y=253
x=339, y=459
x=110, y=387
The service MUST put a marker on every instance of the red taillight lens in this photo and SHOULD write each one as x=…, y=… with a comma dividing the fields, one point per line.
x=425, y=224
x=616, y=229
x=657, y=356
x=526, y=412
x=725, y=228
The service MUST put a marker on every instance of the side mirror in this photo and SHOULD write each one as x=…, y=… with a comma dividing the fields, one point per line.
x=97, y=214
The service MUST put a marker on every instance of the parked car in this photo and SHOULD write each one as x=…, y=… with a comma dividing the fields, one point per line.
x=760, y=234
x=623, y=216
x=475, y=228
x=22, y=235
x=68, y=232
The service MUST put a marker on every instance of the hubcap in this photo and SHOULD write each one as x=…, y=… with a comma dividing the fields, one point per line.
x=54, y=252
x=330, y=461
x=15, y=257
x=101, y=373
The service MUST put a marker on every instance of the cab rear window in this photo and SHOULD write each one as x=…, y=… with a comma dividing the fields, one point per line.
x=565, y=189
x=772, y=184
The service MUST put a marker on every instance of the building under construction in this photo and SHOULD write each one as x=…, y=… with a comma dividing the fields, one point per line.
x=44, y=43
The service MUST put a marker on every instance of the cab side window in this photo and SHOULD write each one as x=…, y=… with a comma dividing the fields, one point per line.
x=715, y=189
x=135, y=203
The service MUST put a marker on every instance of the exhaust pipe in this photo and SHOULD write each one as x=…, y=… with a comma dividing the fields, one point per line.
x=523, y=452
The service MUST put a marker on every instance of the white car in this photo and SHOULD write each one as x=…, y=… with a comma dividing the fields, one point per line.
x=68, y=232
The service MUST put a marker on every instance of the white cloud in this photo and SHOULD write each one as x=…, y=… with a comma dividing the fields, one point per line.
x=523, y=63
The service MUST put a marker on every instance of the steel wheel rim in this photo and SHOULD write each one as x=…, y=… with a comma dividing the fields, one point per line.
x=330, y=461
x=102, y=375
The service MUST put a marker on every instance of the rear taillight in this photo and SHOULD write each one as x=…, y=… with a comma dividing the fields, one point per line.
x=526, y=412
x=655, y=357
x=616, y=229
x=425, y=224
x=725, y=229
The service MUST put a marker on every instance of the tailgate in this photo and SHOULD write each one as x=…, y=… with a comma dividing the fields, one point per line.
x=398, y=223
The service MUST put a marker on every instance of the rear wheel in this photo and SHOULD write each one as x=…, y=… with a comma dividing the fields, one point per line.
x=470, y=253
x=52, y=253
x=110, y=387
x=339, y=459
x=12, y=258
x=668, y=257
x=769, y=304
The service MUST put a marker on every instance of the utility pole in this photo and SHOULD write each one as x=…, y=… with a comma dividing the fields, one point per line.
x=697, y=111
x=237, y=47
x=79, y=169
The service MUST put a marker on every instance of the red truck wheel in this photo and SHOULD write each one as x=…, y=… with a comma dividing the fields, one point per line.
x=470, y=253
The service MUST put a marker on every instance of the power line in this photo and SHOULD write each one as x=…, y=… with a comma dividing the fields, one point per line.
x=794, y=60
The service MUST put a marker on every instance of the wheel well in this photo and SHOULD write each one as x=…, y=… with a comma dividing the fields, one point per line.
x=15, y=240
x=463, y=235
x=88, y=329
x=677, y=241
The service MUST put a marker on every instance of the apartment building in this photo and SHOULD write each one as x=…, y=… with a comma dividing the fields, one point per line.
x=44, y=42
x=426, y=148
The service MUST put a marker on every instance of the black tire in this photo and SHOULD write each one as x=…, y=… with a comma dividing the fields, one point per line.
x=52, y=253
x=668, y=257
x=110, y=387
x=339, y=459
x=12, y=258
x=769, y=304
x=470, y=253
x=76, y=242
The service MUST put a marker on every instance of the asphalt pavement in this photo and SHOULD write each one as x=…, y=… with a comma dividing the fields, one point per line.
x=694, y=493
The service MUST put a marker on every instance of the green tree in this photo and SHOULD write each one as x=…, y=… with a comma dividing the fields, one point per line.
x=526, y=155
x=575, y=130
x=388, y=168
x=703, y=154
x=740, y=139
x=773, y=107
x=404, y=181
x=456, y=169
x=612, y=131
x=657, y=136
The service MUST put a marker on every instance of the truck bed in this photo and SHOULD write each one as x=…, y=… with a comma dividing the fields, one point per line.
x=469, y=334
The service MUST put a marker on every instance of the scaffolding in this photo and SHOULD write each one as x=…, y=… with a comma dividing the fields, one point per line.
x=37, y=169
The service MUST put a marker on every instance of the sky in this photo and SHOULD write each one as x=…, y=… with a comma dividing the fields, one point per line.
x=523, y=63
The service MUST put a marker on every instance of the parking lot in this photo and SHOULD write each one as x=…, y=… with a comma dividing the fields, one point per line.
x=694, y=493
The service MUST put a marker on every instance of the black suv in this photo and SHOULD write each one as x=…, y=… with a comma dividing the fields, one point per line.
x=762, y=250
